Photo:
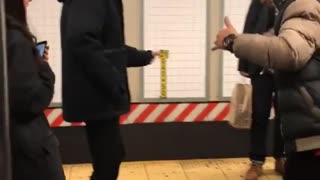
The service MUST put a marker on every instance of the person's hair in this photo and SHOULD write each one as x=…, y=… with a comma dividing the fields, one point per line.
x=16, y=18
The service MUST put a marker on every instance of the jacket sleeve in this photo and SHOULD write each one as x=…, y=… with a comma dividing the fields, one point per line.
x=31, y=85
x=84, y=38
x=137, y=57
x=297, y=41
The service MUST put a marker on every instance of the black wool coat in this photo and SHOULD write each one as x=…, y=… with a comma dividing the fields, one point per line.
x=95, y=60
x=35, y=149
x=259, y=20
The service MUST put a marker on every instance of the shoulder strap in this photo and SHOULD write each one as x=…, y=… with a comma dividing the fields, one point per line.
x=281, y=9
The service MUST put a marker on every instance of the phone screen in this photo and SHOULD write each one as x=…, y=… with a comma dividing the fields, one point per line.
x=41, y=47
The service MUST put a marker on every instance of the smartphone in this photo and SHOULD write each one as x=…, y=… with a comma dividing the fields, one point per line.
x=41, y=46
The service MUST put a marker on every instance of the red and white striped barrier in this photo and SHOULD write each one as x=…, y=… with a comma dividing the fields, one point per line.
x=159, y=113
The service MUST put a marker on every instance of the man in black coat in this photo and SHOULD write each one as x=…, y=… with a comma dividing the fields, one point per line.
x=260, y=19
x=95, y=83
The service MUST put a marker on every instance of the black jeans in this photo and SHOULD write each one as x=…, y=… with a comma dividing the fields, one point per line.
x=303, y=165
x=106, y=146
x=262, y=99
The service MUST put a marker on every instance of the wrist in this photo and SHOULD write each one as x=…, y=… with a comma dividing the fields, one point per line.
x=151, y=56
x=228, y=42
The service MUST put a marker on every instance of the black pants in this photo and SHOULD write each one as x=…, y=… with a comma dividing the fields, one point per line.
x=302, y=166
x=262, y=99
x=106, y=148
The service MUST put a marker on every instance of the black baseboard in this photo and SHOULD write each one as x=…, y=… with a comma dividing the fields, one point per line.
x=167, y=141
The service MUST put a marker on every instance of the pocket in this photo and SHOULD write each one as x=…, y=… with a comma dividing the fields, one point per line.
x=39, y=150
x=50, y=145
x=122, y=89
x=119, y=91
x=51, y=164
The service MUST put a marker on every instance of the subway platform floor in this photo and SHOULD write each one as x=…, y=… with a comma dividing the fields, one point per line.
x=217, y=169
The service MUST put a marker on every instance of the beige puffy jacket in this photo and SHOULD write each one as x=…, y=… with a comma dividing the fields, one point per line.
x=298, y=39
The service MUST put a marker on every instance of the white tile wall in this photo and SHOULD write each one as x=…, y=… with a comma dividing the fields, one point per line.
x=181, y=27
x=236, y=10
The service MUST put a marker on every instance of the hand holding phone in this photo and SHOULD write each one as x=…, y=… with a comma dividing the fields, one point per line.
x=42, y=48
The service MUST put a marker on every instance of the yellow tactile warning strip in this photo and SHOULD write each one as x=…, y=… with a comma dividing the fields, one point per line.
x=219, y=169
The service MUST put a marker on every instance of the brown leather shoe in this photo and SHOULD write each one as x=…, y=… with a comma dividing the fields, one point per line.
x=254, y=172
x=279, y=166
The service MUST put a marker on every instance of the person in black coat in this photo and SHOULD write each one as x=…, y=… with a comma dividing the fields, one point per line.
x=260, y=20
x=95, y=83
x=35, y=149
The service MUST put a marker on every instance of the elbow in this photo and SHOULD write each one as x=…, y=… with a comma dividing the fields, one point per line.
x=298, y=64
x=36, y=102
x=298, y=58
x=294, y=60
x=40, y=103
x=291, y=63
x=289, y=58
x=292, y=53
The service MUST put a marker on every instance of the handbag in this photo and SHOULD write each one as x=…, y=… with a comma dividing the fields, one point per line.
x=241, y=107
